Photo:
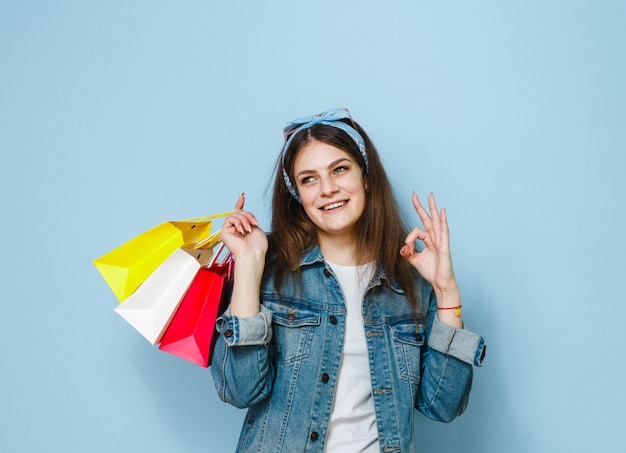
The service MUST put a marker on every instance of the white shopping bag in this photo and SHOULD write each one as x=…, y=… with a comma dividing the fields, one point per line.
x=153, y=305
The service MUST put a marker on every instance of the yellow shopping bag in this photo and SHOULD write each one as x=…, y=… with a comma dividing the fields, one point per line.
x=129, y=265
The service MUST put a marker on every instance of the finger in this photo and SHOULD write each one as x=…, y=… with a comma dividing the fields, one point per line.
x=406, y=252
x=445, y=230
x=415, y=234
x=240, y=202
x=240, y=221
x=234, y=224
x=409, y=253
x=434, y=212
x=245, y=217
x=424, y=217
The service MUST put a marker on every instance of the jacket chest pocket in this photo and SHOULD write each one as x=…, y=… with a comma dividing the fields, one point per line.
x=293, y=333
x=408, y=340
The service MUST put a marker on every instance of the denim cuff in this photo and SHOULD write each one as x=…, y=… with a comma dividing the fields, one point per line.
x=466, y=346
x=253, y=331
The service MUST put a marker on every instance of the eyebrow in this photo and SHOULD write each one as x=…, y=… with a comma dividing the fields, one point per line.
x=332, y=164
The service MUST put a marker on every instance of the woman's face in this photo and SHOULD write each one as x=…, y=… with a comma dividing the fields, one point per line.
x=332, y=188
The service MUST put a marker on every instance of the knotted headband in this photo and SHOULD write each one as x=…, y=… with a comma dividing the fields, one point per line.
x=332, y=118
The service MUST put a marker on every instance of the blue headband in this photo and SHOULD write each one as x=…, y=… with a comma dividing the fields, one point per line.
x=329, y=118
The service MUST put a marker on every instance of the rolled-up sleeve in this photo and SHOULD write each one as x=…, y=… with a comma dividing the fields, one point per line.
x=447, y=366
x=241, y=369
x=463, y=344
x=252, y=331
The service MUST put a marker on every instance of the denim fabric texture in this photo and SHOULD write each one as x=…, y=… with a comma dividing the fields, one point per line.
x=282, y=364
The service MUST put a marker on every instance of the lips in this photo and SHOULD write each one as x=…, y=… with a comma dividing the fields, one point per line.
x=331, y=206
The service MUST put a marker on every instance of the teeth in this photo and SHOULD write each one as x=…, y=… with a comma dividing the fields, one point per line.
x=334, y=205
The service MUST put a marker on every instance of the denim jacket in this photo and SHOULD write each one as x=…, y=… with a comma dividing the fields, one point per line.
x=283, y=363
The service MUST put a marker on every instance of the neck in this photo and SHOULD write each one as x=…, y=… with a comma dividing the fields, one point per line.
x=341, y=250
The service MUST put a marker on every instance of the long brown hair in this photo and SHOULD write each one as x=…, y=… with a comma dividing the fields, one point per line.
x=381, y=226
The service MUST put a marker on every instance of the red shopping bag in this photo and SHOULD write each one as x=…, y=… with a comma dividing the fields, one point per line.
x=191, y=335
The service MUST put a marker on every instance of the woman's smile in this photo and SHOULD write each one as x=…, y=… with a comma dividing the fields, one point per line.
x=333, y=206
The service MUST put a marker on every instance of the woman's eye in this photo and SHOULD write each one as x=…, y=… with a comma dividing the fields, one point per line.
x=340, y=169
x=307, y=179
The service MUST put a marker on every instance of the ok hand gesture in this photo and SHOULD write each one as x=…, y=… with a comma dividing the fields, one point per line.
x=434, y=263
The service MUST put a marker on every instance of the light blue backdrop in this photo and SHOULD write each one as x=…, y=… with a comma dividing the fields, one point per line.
x=115, y=116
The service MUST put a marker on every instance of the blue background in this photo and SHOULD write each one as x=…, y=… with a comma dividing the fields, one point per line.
x=118, y=115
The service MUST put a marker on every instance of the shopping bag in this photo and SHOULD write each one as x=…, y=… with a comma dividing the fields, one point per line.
x=151, y=307
x=202, y=256
x=127, y=266
x=191, y=335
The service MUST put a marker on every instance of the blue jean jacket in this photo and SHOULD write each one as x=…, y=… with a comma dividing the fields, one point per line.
x=283, y=363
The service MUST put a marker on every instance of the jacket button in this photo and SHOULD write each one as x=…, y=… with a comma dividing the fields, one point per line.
x=418, y=337
x=314, y=436
x=228, y=333
x=326, y=272
x=325, y=378
x=291, y=317
x=333, y=320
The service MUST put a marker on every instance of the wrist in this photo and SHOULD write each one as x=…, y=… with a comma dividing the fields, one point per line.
x=451, y=317
x=448, y=297
x=455, y=310
x=449, y=305
x=248, y=273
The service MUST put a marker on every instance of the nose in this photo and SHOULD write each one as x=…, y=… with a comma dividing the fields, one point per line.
x=328, y=186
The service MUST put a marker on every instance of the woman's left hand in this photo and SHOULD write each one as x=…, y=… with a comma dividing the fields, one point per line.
x=434, y=263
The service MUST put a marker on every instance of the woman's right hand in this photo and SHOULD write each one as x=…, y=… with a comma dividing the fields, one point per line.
x=248, y=244
x=242, y=234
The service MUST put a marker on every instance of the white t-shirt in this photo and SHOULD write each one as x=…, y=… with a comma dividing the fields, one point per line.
x=353, y=419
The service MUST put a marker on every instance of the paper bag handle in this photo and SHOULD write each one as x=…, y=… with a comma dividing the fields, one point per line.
x=209, y=241
x=206, y=218
x=228, y=260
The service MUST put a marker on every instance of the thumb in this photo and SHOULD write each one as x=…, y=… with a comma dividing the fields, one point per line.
x=406, y=252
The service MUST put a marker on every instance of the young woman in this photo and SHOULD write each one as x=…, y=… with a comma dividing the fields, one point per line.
x=338, y=327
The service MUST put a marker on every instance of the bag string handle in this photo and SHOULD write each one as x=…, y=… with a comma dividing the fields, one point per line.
x=207, y=218
x=209, y=241
x=228, y=261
